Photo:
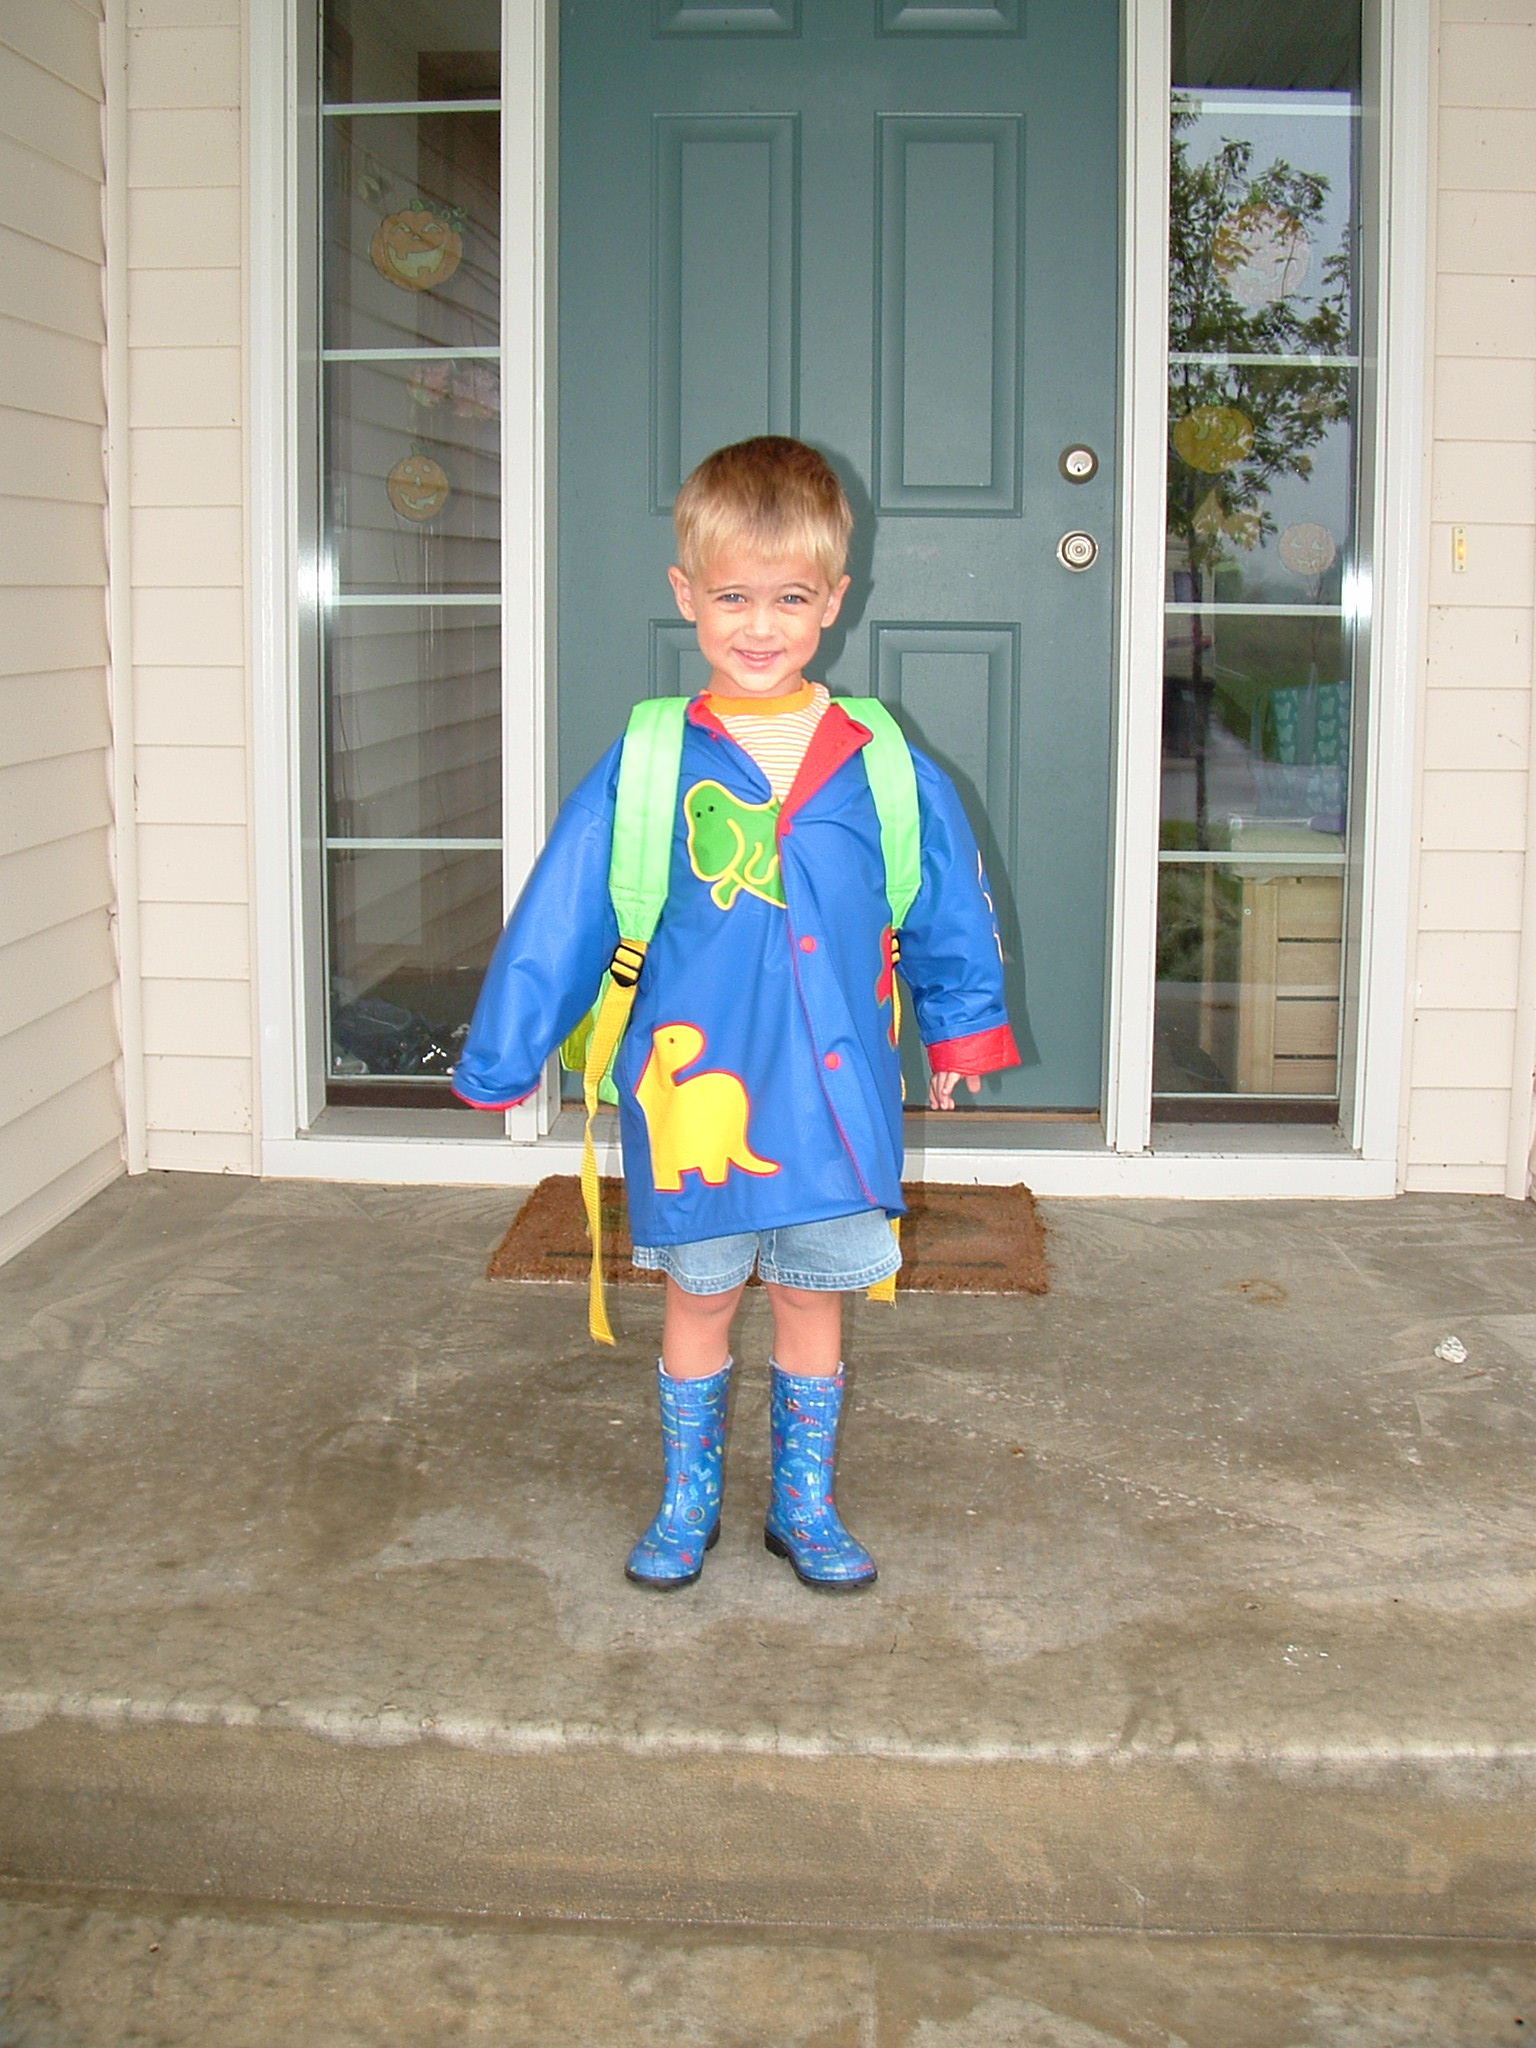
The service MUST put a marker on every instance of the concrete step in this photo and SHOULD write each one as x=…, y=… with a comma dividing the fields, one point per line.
x=730, y=1836
x=1205, y=1599
x=98, y=1973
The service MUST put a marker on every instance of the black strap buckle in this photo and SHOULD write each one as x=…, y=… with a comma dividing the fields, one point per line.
x=628, y=959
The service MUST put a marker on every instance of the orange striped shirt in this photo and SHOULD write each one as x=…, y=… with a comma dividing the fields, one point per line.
x=775, y=731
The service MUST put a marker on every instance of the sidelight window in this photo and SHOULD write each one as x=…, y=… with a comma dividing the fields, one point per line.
x=410, y=626
x=1263, y=601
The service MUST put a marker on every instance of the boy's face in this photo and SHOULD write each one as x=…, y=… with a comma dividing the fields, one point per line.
x=759, y=622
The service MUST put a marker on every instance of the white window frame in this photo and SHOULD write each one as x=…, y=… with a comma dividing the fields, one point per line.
x=1061, y=1159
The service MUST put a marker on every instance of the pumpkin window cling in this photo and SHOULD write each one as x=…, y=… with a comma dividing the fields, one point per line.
x=420, y=247
x=418, y=486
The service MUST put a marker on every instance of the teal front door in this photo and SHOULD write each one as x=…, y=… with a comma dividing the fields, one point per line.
x=889, y=228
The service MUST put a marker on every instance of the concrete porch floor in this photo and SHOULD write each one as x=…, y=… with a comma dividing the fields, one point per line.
x=1205, y=1603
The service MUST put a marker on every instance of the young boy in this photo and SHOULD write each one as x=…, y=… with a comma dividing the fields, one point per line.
x=759, y=1084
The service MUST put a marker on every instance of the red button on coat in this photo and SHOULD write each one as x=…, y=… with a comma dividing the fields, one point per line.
x=807, y=945
x=832, y=1062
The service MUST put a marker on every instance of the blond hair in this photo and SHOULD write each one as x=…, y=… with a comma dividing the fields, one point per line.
x=771, y=495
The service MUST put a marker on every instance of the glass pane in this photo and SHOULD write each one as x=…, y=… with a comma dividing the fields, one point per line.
x=1256, y=725
x=1274, y=525
x=1260, y=640
x=412, y=50
x=410, y=933
x=1311, y=45
x=414, y=705
x=413, y=475
x=1262, y=380
x=410, y=496
x=413, y=230
x=1248, y=973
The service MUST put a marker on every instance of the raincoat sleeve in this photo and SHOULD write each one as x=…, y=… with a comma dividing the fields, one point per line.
x=951, y=953
x=544, y=974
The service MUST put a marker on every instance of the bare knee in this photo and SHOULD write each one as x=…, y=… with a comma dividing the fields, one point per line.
x=704, y=1310
x=696, y=1334
x=807, y=1328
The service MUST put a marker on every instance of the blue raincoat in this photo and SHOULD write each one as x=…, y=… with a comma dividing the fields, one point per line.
x=759, y=1083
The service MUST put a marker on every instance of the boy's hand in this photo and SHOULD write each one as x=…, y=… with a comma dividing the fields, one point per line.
x=941, y=1088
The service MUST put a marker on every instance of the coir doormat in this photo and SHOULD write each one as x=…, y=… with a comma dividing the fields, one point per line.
x=954, y=1240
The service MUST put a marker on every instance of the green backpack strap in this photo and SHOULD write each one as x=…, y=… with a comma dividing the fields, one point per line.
x=893, y=785
x=639, y=865
x=645, y=815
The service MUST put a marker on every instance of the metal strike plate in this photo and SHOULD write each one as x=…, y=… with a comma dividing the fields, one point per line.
x=1078, y=465
x=1077, y=551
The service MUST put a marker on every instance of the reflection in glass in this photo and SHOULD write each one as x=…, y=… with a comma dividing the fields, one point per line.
x=1256, y=724
x=1248, y=972
x=412, y=232
x=414, y=723
x=409, y=934
x=1261, y=484
x=1261, y=397
x=1259, y=643
x=411, y=50
x=413, y=493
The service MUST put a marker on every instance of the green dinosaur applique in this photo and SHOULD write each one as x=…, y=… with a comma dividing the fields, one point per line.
x=733, y=844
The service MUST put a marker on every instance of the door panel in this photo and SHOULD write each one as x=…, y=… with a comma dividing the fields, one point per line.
x=723, y=303
x=890, y=228
x=948, y=314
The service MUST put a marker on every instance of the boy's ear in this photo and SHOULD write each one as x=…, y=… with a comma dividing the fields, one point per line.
x=682, y=590
x=835, y=601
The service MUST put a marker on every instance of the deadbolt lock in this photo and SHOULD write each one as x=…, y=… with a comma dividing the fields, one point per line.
x=1078, y=465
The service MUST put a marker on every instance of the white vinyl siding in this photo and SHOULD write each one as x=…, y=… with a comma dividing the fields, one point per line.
x=1469, y=1077
x=187, y=555
x=61, y=1125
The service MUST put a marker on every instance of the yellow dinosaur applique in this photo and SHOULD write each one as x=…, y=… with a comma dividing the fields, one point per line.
x=700, y=1123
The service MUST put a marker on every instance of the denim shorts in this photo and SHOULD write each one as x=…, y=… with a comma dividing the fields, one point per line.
x=839, y=1254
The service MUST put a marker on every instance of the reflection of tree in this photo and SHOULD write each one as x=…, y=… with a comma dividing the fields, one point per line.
x=1240, y=246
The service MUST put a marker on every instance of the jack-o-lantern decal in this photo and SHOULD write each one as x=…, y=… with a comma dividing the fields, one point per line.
x=416, y=250
x=418, y=487
x=1308, y=549
x=1213, y=438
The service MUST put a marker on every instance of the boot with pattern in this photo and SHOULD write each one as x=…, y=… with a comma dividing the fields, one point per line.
x=803, y=1523
x=671, y=1552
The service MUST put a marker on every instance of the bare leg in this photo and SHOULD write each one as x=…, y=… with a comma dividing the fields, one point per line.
x=696, y=1335
x=807, y=1330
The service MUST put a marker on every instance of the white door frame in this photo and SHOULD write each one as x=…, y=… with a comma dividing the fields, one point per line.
x=1060, y=1159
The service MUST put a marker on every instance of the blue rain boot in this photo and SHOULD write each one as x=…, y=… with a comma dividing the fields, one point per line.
x=671, y=1552
x=803, y=1523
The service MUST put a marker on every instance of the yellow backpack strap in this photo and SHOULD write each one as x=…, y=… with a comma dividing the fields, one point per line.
x=885, y=1290
x=608, y=1026
x=639, y=874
